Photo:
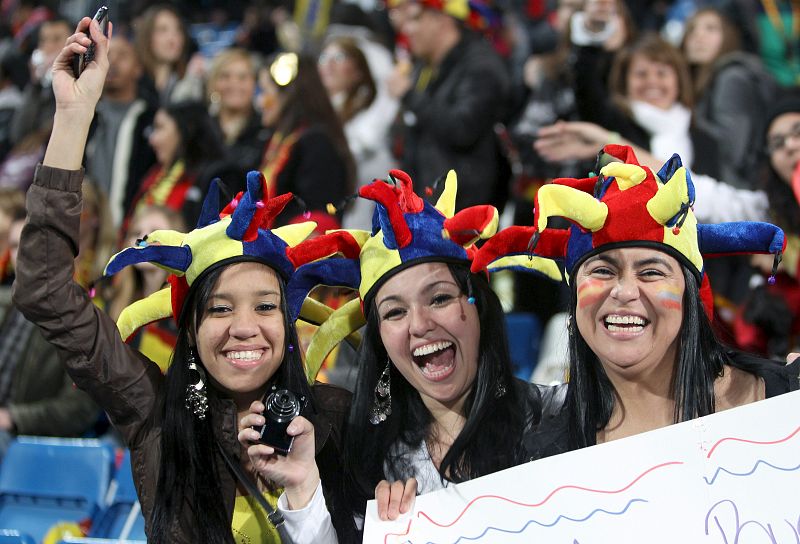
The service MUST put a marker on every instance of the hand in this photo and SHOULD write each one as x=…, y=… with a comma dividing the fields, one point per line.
x=83, y=93
x=395, y=498
x=296, y=472
x=571, y=140
x=791, y=357
x=399, y=81
x=197, y=66
x=599, y=13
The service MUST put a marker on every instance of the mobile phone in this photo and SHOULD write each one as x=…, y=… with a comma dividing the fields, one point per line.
x=79, y=62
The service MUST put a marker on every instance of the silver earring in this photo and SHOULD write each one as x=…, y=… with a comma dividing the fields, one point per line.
x=196, y=399
x=499, y=389
x=382, y=405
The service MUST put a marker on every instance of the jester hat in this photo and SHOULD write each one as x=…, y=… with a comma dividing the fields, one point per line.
x=627, y=205
x=406, y=231
x=240, y=232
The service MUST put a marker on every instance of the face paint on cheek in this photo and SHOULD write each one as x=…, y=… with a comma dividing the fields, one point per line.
x=670, y=298
x=590, y=291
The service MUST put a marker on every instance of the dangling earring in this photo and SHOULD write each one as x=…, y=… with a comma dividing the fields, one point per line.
x=382, y=405
x=196, y=399
x=500, y=389
x=470, y=293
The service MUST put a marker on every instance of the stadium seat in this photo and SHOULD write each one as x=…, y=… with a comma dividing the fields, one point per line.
x=15, y=537
x=123, y=517
x=44, y=481
x=524, y=333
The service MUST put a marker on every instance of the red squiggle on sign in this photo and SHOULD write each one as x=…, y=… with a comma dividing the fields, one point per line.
x=408, y=529
x=767, y=443
x=535, y=505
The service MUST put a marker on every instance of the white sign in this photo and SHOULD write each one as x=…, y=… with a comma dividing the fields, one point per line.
x=728, y=478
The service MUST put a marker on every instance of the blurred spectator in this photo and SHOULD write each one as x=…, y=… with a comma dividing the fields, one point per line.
x=10, y=101
x=451, y=102
x=770, y=29
x=367, y=112
x=11, y=202
x=732, y=89
x=156, y=340
x=187, y=146
x=649, y=102
x=770, y=322
x=231, y=96
x=39, y=106
x=117, y=153
x=307, y=153
x=257, y=32
x=164, y=47
x=24, y=19
x=36, y=395
x=547, y=96
x=16, y=171
x=33, y=120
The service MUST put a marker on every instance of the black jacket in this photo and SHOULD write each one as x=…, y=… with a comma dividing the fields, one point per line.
x=449, y=124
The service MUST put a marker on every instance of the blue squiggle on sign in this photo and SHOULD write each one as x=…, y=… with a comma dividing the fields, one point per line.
x=547, y=525
x=750, y=472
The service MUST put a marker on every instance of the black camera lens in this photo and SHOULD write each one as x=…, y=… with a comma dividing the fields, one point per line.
x=282, y=405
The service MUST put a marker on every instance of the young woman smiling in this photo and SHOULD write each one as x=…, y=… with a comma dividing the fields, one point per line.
x=435, y=400
x=235, y=341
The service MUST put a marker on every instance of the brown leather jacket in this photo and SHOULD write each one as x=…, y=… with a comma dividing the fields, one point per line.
x=120, y=379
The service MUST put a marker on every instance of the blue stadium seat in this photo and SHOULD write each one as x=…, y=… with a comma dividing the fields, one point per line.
x=524, y=334
x=8, y=536
x=44, y=481
x=123, y=517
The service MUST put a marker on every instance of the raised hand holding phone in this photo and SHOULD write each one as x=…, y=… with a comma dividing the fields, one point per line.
x=76, y=98
x=79, y=62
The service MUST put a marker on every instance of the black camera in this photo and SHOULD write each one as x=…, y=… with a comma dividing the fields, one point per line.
x=281, y=407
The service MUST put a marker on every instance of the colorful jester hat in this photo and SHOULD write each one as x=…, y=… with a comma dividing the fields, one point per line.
x=406, y=231
x=627, y=206
x=240, y=232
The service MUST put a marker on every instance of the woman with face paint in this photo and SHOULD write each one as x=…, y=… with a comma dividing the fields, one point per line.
x=642, y=351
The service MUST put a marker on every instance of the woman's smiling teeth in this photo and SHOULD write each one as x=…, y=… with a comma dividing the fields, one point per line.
x=625, y=323
x=435, y=360
x=431, y=348
x=245, y=356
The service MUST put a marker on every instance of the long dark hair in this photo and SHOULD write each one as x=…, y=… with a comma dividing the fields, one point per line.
x=702, y=74
x=200, y=140
x=144, y=36
x=188, y=474
x=491, y=439
x=591, y=396
x=306, y=104
x=783, y=205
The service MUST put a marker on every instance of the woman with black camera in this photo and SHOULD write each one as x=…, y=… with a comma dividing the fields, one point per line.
x=435, y=401
x=235, y=342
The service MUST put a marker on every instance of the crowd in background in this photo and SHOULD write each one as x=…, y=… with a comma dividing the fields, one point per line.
x=324, y=97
